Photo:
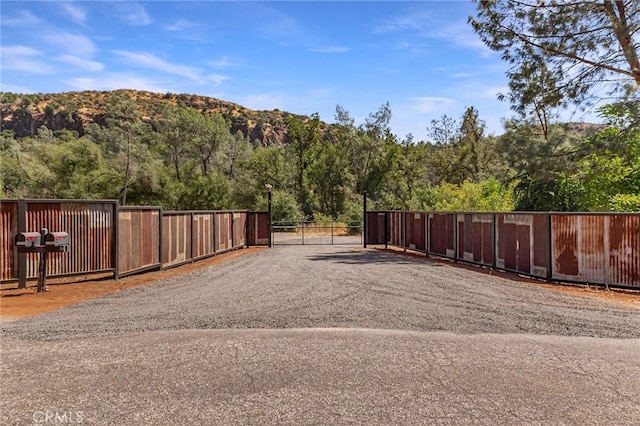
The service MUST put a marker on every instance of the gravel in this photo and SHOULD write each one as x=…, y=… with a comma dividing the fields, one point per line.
x=330, y=286
x=325, y=335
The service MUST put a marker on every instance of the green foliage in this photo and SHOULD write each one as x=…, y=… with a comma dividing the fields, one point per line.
x=462, y=152
x=489, y=195
x=625, y=203
x=206, y=192
x=561, y=54
x=285, y=208
x=607, y=176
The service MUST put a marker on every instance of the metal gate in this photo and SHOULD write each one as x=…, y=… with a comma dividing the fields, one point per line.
x=317, y=233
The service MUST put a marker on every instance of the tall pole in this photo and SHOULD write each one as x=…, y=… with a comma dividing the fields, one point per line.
x=22, y=257
x=269, y=212
x=364, y=219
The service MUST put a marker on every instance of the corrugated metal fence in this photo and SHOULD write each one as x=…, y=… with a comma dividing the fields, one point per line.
x=107, y=238
x=597, y=248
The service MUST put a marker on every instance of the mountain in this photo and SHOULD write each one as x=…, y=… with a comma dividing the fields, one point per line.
x=24, y=114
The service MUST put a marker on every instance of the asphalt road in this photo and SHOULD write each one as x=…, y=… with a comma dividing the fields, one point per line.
x=326, y=335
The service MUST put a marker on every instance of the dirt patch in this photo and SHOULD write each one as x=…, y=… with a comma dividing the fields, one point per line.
x=18, y=303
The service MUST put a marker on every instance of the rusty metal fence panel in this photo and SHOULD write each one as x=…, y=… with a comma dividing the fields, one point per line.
x=395, y=229
x=123, y=240
x=203, y=223
x=475, y=238
x=442, y=234
x=89, y=223
x=258, y=228
x=376, y=228
x=9, y=228
x=522, y=243
x=90, y=226
x=223, y=231
x=416, y=230
x=596, y=248
x=239, y=229
x=176, y=238
x=138, y=239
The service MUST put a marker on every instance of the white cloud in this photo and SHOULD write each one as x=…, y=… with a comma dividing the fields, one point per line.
x=148, y=60
x=18, y=50
x=270, y=23
x=426, y=24
x=81, y=64
x=180, y=25
x=133, y=13
x=24, y=58
x=223, y=62
x=461, y=34
x=399, y=23
x=77, y=14
x=330, y=49
x=217, y=79
x=78, y=45
x=24, y=19
x=425, y=104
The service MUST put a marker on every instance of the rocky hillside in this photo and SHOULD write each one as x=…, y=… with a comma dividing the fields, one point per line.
x=24, y=114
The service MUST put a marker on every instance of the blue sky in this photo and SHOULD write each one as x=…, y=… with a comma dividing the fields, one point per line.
x=298, y=56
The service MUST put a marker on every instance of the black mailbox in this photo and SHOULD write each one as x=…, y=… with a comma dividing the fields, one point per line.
x=27, y=239
x=56, y=239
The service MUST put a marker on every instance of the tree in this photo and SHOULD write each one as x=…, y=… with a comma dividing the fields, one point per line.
x=207, y=192
x=50, y=166
x=305, y=135
x=607, y=176
x=236, y=151
x=488, y=195
x=462, y=151
x=13, y=182
x=193, y=139
x=364, y=146
x=577, y=45
x=122, y=133
x=538, y=160
x=329, y=179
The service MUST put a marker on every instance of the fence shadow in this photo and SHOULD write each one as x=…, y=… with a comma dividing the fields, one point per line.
x=361, y=257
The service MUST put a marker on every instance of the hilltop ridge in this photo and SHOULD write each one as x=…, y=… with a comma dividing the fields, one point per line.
x=25, y=113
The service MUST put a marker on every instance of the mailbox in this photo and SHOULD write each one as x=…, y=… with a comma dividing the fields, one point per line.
x=27, y=239
x=56, y=239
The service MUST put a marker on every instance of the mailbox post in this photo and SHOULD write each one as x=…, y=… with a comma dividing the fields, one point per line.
x=42, y=242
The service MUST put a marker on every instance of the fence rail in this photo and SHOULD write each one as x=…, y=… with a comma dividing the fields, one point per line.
x=107, y=238
x=595, y=248
x=317, y=233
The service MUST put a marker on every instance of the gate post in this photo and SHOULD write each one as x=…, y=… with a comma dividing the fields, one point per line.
x=364, y=219
x=22, y=257
x=549, y=246
x=269, y=210
x=115, y=248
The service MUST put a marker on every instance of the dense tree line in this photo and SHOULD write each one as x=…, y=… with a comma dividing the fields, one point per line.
x=186, y=159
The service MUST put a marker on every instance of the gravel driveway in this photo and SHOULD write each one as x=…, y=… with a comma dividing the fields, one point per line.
x=325, y=334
